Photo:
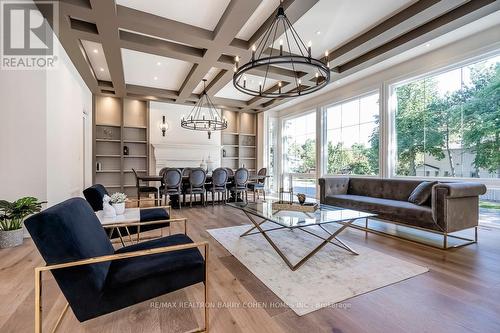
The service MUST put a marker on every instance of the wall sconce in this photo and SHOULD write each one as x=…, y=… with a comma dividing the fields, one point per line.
x=163, y=126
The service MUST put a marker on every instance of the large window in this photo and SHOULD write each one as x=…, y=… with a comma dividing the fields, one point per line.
x=448, y=125
x=353, y=137
x=299, y=154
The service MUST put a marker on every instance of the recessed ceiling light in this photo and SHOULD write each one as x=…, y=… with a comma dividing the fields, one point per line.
x=96, y=51
x=427, y=45
x=318, y=32
x=158, y=63
x=155, y=78
x=101, y=69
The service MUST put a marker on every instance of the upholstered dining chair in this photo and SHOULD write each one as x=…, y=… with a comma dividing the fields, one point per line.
x=172, y=182
x=197, y=177
x=259, y=185
x=161, y=215
x=144, y=189
x=162, y=185
x=240, y=183
x=219, y=181
x=230, y=178
x=95, y=278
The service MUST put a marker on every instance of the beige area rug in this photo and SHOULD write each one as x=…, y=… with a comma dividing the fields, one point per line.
x=332, y=275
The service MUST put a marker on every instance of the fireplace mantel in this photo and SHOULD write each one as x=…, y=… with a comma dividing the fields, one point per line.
x=177, y=155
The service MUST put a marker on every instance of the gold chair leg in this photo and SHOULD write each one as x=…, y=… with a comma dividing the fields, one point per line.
x=61, y=316
x=38, y=300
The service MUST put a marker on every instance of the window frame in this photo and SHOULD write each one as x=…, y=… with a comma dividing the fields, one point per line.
x=324, y=130
x=391, y=86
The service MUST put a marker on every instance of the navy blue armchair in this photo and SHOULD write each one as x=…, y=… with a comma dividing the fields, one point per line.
x=94, y=278
x=161, y=215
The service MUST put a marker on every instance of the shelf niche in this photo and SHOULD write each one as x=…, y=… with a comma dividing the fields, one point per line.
x=119, y=123
x=239, y=140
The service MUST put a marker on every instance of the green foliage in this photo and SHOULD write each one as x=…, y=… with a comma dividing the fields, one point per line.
x=305, y=155
x=428, y=124
x=12, y=214
x=356, y=160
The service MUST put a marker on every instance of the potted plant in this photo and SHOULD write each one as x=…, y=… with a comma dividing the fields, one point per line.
x=118, y=202
x=12, y=215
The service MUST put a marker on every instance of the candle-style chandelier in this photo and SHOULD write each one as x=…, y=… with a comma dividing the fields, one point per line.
x=307, y=73
x=204, y=116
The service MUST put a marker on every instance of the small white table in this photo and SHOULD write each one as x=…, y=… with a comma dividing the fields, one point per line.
x=131, y=215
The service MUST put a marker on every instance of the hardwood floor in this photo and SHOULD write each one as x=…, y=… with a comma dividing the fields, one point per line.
x=461, y=293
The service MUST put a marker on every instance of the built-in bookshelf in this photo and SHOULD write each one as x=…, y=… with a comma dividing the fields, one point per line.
x=121, y=142
x=239, y=141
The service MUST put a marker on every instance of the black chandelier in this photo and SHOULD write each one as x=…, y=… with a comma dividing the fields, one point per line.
x=204, y=116
x=308, y=74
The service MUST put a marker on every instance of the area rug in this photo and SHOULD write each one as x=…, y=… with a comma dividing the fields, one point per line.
x=331, y=276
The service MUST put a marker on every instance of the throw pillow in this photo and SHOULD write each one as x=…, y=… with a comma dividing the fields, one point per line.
x=421, y=193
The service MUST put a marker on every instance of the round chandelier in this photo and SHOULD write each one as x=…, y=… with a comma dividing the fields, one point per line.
x=308, y=74
x=204, y=116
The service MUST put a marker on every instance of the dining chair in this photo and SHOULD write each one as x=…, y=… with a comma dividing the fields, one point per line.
x=95, y=278
x=240, y=183
x=172, y=180
x=162, y=185
x=144, y=189
x=197, y=178
x=162, y=215
x=259, y=184
x=230, y=178
x=219, y=181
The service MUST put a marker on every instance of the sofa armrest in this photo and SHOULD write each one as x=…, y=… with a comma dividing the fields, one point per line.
x=461, y=190
x=455, y=206
x=332, y=186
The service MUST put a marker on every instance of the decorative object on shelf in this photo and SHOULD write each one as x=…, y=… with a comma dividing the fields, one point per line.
x=117, y=200
x=204, y=116
x=108, y=210
x=203, y=165
x=125, y=150
x=98, y=166
x=282, y=193
x=295, y=207
x=210, y=164
x=301, y=197
x=12, y=215
x=310, y=74
x=223, y=152
x=108, y=133
x=163, y=126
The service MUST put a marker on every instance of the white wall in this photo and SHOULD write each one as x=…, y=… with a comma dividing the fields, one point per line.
x=41, y=132
x=68, y=98
x=22, y=135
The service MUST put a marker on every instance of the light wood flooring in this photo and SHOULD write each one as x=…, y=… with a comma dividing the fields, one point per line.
x=461, y=293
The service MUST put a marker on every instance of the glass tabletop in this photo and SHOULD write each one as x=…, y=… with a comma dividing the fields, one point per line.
x=294, y=219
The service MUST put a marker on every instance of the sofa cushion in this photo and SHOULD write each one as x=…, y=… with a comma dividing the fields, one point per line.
x=393, y=210
x=422, y=193
x=126, y=271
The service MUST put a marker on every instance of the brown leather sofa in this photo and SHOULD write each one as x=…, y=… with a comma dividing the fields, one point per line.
x=452, y=206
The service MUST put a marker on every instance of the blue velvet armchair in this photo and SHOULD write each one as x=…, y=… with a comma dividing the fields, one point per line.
x=95, y=278
x=161, y=215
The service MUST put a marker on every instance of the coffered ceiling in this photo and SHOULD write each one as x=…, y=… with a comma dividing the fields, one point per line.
x=161, y=50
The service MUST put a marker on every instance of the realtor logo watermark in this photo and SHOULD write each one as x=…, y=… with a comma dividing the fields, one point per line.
x=27, y=41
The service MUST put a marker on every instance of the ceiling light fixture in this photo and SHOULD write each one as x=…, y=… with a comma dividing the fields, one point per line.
x=101, y=69
x=158, y=63
x=293, y=55
x=204, y=116
x=155, y=78
x=96, y=51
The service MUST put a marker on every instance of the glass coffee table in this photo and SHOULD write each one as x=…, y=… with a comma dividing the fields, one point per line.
x=294, y=220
